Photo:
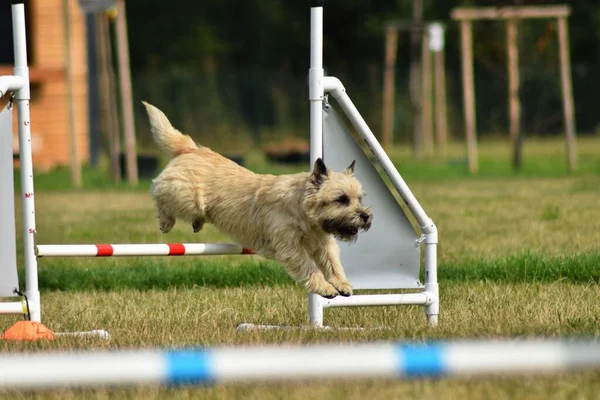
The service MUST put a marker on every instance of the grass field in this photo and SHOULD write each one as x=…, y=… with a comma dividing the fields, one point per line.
x=518, y=255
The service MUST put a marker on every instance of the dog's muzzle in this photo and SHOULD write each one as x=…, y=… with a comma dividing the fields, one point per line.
x=348, y=230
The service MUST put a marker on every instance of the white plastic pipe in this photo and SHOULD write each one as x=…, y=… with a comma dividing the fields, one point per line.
x=315, y=96
x=25, y=160
x=9, y=83
x=13, y=308
x=377, y=300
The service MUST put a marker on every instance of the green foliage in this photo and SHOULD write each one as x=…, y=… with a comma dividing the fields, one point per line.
x=550, y=213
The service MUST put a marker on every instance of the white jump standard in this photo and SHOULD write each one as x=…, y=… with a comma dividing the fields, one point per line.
x=386, y=257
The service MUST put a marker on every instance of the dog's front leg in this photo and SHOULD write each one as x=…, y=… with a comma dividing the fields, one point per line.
x=302, y=268
x=328, y=261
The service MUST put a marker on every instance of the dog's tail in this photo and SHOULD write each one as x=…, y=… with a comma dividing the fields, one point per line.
x=165, y=135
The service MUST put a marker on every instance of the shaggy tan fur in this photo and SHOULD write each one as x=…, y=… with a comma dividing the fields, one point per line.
x=293, y=219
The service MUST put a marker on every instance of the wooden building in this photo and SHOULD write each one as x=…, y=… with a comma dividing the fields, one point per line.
x=49, y=104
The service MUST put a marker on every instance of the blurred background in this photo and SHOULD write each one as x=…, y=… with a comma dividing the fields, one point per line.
x=233, y=74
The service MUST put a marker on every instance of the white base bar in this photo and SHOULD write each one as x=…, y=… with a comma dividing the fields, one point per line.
x=12, y=308
x=377, y=300
x=101, y=333
x=245, y=327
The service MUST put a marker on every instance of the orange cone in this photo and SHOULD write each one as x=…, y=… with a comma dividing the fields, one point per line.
x=28, y=330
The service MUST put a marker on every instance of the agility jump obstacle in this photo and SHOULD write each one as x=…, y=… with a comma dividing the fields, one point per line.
x=280, y=363
x=386, y=257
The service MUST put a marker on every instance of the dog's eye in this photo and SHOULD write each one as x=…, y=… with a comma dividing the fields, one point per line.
x=343, y=199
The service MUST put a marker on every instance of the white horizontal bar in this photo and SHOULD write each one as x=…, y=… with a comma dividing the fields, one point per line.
x=80, y=369
x=12, y=308
x=376, y=300
x=161, y=249
x=57, y=250
x=367, y=360
x=279, y=363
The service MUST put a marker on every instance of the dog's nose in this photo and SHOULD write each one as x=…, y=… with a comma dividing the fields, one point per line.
x=365, y=217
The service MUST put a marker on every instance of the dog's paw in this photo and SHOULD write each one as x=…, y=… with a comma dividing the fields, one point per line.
x=343, y=287
x=327, y=291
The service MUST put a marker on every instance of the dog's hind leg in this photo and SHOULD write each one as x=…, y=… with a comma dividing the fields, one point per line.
x=198, y=224
x=328, y=261
x=166, y=221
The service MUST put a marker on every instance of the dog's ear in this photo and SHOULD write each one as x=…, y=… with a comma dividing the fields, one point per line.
x=319, y=172
x=350, y=169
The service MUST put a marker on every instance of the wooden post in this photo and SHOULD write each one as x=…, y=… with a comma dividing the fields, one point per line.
x=514, y=103
x=389, y=86
x=469, y=93
x=128, y=122
x=567, y=92
x=75, y=162
x=426, y=99
x=415, y=79
x=441, y=121
x=108, y=100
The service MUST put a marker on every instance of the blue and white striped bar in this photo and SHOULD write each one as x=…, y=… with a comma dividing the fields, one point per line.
x=221, y=365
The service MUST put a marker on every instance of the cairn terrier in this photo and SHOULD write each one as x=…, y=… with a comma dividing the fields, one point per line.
x=293, y=219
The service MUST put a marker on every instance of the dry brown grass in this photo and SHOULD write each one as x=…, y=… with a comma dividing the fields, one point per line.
x=476, y=219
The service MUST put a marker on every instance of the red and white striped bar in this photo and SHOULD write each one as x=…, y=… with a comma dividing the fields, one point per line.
x=122, y=250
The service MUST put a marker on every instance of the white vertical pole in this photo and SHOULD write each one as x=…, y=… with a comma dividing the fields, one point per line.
x=26, y=164
x=315, y=95
x=432, y=310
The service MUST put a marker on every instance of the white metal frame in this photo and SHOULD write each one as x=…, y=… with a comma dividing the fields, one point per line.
x=319, y=84
x=19, y=84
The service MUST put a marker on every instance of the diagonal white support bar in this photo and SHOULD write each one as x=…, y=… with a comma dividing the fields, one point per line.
x=335, y=87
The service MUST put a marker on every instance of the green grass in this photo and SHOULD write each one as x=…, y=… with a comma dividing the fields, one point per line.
x=518, y=257
x=145, y=274
x=541, y=158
